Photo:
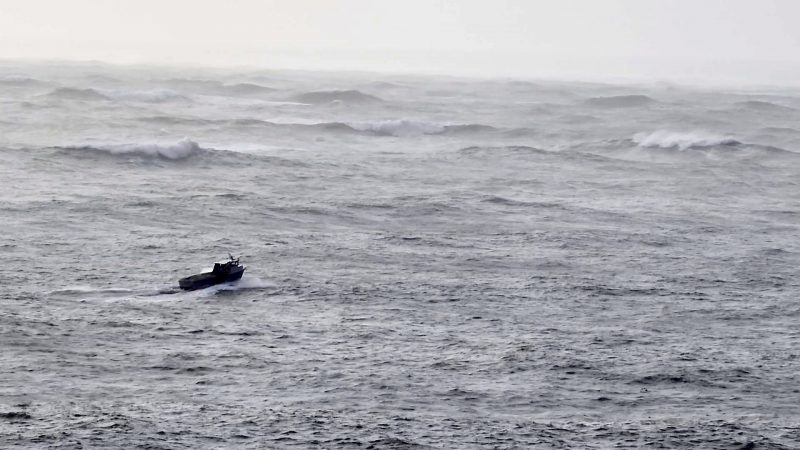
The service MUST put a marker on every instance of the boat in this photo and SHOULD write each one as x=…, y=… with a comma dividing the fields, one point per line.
x=223, y=272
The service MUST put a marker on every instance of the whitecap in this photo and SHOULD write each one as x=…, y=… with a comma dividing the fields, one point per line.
x=682, y=140
x=398, y=128
x=178, y=150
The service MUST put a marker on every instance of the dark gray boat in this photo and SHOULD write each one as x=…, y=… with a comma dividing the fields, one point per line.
x=222, y=273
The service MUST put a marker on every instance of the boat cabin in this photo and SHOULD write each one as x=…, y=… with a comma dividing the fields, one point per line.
x=226, y=266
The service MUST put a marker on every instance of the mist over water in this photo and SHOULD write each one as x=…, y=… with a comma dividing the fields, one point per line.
x=433, y=262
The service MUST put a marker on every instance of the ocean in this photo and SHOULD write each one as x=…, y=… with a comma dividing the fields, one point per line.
x=432, y=261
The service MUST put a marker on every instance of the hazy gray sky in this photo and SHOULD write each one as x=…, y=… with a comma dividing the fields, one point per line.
x=755, y=40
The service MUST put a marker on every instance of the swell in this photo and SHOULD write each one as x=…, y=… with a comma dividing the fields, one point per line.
x=190, y=83
x=505, y=201
x=578, y=153
x=21, y=81
x=146, y=96
x=215, y=87
x=396, y=128
x=764, y=106
x=246, y=89
x=404, y=127
x=345, y=96
x=621, y=101
x=499, y=151
x=69, y=93
x=780, y=130
x=92, y=94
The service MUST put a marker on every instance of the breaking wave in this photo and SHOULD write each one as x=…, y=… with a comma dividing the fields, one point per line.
x=674, y=146
x=398, y=127
x=179, y=150
x=621, y=101
x=682, y=140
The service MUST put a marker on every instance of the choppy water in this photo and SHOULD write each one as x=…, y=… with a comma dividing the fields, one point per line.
x=433, y=262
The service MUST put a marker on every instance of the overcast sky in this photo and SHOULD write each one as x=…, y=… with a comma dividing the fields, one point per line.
x=727, y=40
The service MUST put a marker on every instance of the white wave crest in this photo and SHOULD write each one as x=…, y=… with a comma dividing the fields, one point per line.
x=681, y=140
x=399, y=128
x=179, y=150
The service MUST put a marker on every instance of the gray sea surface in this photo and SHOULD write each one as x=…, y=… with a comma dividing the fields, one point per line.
x=433, y=262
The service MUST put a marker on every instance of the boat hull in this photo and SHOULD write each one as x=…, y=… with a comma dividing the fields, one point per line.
x=208, y=279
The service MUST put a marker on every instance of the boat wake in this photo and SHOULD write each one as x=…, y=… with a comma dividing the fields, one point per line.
x=245, y=283
x=171, y=293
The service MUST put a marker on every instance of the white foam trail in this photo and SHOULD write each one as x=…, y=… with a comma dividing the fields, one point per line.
x=80, y=289
x=76, y=288
x=169, y=294
x=681, y=140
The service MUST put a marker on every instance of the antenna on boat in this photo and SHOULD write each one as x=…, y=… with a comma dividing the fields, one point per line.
x=235, y=260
